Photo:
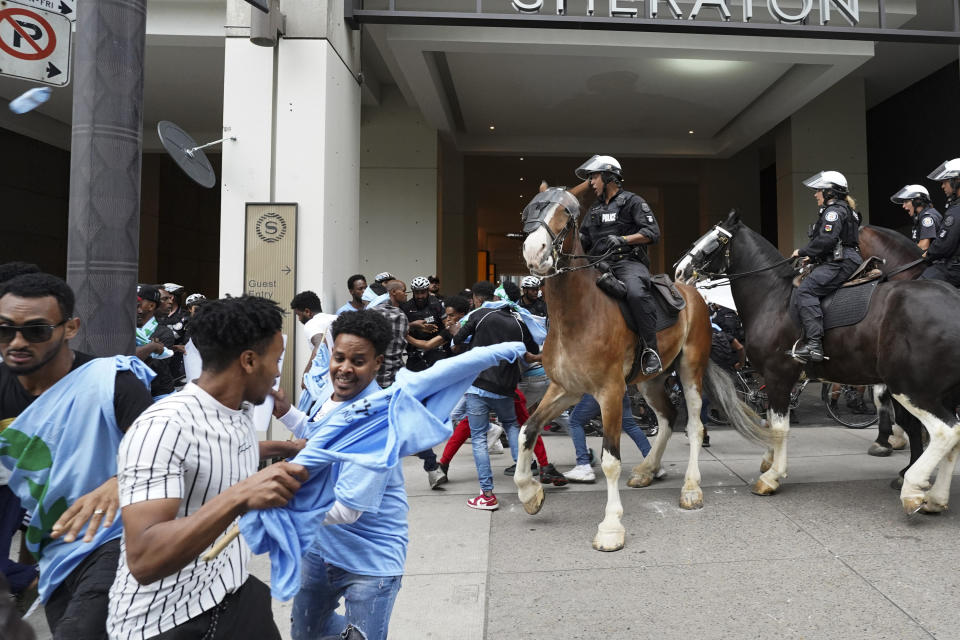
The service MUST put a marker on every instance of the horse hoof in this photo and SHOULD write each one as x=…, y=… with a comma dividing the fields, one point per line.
x=763, y=488
x=609, y=540
x=535, y=503
x=640, y=480
x=765, y=465
x=879, y=450
x=691, y=500
x=897, y=442
x=912, y=505
x=933, y=508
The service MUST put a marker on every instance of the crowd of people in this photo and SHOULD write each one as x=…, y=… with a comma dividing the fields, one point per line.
x=120, y=472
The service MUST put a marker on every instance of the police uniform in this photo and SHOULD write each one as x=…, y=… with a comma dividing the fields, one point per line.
x=926, y=225
x=944, y=249
x=538, y=307
x=837, y=224
x=625, y=214
x=431, y=313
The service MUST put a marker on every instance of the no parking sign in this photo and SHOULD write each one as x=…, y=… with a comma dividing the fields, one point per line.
x=34, y=44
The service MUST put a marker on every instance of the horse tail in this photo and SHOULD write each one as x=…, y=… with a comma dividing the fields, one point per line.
x=719, y=386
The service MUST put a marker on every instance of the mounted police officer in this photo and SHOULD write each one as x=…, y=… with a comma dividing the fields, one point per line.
x=915, y=200
x=835, y=252
x=944, y=252
x=623, y=223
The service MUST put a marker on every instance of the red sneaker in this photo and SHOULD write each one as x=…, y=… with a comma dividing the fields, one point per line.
x=484, y=502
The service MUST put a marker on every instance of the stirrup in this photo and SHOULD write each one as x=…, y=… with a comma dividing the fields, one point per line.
x=648, y=371
x=802, y=360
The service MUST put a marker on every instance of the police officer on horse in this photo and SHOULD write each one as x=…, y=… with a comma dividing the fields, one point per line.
x=620, y=225
x=944, y=252
x=835, y=252
x=915, y=199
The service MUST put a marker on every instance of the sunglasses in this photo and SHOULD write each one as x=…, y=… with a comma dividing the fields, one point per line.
x=30, y=332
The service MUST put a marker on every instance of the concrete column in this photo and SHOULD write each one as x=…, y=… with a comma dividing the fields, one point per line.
x=398, y=192
x=452, y=257
x=247, y=173
x=830, y=132
x=318, y=165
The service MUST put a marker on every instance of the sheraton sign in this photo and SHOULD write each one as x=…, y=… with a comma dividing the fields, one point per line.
x=869, y=20
x=849, y=9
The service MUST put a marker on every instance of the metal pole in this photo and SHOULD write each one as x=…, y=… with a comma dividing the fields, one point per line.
x=104, y=225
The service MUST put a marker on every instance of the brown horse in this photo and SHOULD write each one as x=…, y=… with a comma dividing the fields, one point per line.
x=589, y=349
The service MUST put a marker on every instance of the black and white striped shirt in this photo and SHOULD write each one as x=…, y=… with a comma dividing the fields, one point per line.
x=191, y=447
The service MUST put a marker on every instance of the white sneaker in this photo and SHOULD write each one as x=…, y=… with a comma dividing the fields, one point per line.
x=581, y=473
x=493, y=439
x=436, y=478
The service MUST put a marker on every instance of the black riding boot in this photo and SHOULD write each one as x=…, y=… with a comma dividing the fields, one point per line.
x=650, y=358
x=811, y=350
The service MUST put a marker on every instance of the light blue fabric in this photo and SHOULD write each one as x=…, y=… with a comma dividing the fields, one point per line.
x=60, y=448
x=483, y=393
x=345, y=308
x=374, y=431
x=537, y=325
x=314, y=380
x=383, y=298
x=368, y=294
x=143, y=335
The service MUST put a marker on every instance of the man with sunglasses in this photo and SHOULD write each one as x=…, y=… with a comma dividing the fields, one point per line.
x=36, y=325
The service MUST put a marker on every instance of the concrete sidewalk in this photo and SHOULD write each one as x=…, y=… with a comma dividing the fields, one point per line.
x=830, y=556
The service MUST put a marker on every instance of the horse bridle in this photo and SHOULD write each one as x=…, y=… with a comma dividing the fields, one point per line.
x=563, y=198
x=723, y=241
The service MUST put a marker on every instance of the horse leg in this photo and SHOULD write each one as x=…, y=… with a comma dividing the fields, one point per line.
x=656, y=396
x=610, y=532
x=778, y=415
x=691, y=377
x=529, y=490
x=938, y=496
x=881, y=398
x=944, y=438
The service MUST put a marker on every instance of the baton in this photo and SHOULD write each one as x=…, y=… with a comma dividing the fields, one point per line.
x=232, y=534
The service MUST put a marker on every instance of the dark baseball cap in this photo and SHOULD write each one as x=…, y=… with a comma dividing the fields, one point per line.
x=148, y=292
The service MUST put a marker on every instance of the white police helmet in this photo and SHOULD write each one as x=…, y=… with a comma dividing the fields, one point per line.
x=949, y=169
x=419, y=284
x=910, y=192
x=530, y=282
x=827, y=180
x=599, y=164
x=195, y=298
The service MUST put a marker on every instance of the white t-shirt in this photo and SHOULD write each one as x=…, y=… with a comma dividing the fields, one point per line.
x=320, y=323
x=191, y=447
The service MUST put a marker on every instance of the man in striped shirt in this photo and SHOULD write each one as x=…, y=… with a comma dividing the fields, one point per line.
x=187, y=469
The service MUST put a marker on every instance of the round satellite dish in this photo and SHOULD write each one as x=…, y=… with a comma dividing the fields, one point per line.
x=186, y=153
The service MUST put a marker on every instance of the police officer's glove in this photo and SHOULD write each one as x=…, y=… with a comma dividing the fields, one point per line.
x=608, y=243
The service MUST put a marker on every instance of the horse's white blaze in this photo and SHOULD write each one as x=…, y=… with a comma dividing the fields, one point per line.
x=780, y=427
x=536, y=248
x=943, y=439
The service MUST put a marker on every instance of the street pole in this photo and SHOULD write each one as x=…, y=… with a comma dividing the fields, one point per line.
x=104, y=222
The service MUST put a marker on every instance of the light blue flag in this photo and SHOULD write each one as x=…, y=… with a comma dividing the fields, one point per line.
x=60, y=448
x=314, y=380
x=537, y=325
x=381, y=299
x=375, y=430
x=368, y=294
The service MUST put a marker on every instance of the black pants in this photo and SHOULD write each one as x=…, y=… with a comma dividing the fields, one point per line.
x=948, y=271
x=243, y=614
x=636, y=277
x=77, y=610
x=823, y=280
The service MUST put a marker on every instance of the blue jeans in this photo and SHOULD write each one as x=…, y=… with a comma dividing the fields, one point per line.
x=368, y=599
x=478, y=415
x=586, y=410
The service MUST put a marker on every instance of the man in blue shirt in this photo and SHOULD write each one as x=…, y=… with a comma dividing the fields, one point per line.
x=362, y=546
x=356, y=285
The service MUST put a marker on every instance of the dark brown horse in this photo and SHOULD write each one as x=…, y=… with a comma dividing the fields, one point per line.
x=907, y=326
x=589, y=349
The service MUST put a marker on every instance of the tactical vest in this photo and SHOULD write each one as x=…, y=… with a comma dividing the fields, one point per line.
x=614, y=218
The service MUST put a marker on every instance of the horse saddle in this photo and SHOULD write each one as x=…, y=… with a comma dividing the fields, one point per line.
x=668, y=301
x=868, y=271
x=848, y=304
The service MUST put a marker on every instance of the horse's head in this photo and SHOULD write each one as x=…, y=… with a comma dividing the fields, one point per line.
x=546, y=221
x=709, y=253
